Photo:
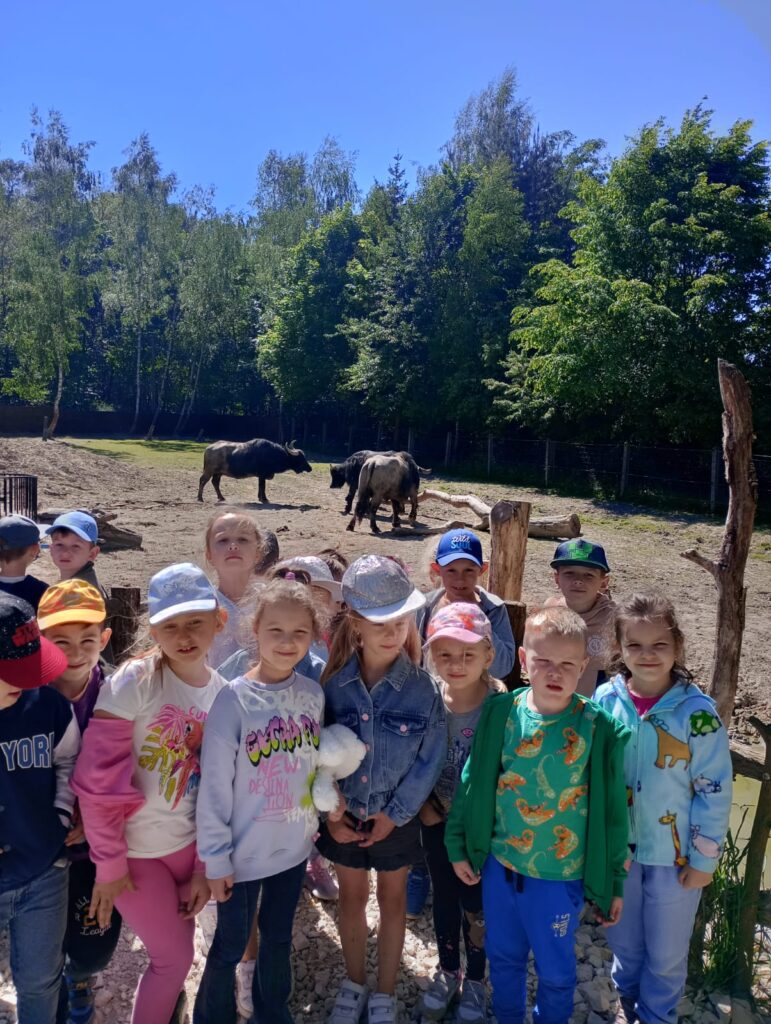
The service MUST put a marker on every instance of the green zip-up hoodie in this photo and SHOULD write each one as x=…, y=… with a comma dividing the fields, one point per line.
x=469, y=828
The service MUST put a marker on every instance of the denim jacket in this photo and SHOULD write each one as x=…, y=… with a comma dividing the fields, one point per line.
x=402, y=722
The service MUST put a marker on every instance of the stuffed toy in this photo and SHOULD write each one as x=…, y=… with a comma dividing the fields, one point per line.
x=340, y=754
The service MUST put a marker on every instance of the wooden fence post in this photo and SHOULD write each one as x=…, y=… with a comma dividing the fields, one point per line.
x=410, y=439
x=624, y=471
x=546, y=464
x=713, y=481
x=509, y=522
x=489, y=453
x=45, y=428
x=123, y=616
x=448, y=449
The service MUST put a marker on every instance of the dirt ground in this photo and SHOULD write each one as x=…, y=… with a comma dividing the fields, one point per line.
x=643, y=549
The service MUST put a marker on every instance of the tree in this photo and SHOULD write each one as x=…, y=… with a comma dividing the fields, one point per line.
x=672, y=270
x=53, y=261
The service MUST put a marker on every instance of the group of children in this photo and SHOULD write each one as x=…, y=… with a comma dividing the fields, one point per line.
x=185, y=774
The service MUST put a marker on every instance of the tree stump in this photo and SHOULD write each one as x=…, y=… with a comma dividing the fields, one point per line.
x=508, y=544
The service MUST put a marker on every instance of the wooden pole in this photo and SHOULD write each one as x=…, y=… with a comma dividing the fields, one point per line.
x=448, y=449
x=489, y=453
x=624, y=470
x=123, y=616
x=546, y=462
x=517, y=614
x=728, y=568
x=410, y=439
x=508, y=545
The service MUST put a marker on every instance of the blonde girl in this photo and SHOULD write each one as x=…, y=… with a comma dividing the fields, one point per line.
x=459, y=645
x=256, y=820
x=374, y=685
x=137, y=782
x=233, y=547
x=678, y=776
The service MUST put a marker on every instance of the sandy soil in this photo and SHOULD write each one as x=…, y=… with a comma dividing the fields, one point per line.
x=643, y=549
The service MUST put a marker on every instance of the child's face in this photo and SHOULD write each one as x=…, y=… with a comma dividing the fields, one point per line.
x=381, y=642
x=284, y=634
x=82, y=643
x=8, y=694
x=460, y=578
x=580, y=586
x=554, y=665
x=459, y=664
x=70, y=553
x=233, y=547
x=649, y=653
x=187, y=638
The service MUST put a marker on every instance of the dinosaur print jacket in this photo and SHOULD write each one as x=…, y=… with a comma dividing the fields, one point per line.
x=678, y=775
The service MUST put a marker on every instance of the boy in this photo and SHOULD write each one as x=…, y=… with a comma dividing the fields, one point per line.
x=19, y=547
x=39, y=742
x=460, y=564
x=582, y=574
x=72, y=616
x=541, y=813
x=74, y=547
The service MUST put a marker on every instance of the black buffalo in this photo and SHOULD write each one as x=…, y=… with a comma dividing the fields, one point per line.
x=386, y=478
x=347, y=472
x=259, y=458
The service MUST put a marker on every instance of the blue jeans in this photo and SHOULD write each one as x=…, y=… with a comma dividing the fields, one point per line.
x=215, y=1002
x=36, y=915
x=650, y=942
x=523, y=913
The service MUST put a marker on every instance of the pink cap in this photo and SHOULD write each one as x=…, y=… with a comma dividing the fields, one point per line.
x=460, y=621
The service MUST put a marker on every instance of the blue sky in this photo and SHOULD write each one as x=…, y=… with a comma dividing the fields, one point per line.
x=217, y=84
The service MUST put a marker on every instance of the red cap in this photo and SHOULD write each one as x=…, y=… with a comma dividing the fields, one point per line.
x=27, y=660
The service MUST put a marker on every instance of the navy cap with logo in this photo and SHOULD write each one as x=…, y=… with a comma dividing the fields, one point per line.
x=580, y=552
x=457, y=544
x=19, y=532
x=27, y=659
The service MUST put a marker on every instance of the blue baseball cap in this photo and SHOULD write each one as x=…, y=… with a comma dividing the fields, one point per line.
x=580, y=552
x=19, y=532
x=178, y=589
x=80, y=523
x=457, y=544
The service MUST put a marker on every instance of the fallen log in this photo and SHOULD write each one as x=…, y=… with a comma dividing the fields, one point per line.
x=111, y=537
x=546, y=528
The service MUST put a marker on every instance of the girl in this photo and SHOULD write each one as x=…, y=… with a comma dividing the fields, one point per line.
x=233, y=549
x=256, y=820
x=373, y=685
x=137, y=781
x=460, y=652
x=678, y=777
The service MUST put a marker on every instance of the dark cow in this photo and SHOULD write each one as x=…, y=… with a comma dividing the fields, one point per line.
x=348, y=472
x=386, y=478
x=259, y=458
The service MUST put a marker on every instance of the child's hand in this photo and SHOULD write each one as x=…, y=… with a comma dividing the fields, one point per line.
x=383, y=827
x=342, y=806
x=198, y=898
x=103, y=897
x=76, y=833
x=465, y=872
x=614, y=915
x=692, y=878
x=221, y=888
x=342, y=832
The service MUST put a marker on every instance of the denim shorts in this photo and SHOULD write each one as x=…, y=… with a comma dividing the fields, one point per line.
x=398, y=850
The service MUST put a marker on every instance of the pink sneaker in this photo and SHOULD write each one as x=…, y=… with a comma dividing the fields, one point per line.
x=319, y=880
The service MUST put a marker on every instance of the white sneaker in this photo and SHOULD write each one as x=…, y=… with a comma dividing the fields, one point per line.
x=207, y=921
x=244, y=976
x=349, y=1004
x=382, y=1009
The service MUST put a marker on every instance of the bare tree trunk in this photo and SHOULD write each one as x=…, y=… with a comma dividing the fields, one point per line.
x=49, y=433
x=187, y=405
x=138, y=383
x=162, y=389
x=728, y=569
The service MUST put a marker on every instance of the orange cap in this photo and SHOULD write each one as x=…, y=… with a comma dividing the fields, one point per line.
x=70, y=601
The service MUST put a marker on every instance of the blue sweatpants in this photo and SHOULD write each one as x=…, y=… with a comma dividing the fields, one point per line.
x=521, y=914
x=650, y=942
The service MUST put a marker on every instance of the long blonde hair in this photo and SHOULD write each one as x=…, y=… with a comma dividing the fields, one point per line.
x=345, y=641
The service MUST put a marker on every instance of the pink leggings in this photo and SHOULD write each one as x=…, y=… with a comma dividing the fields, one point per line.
x=152, y=913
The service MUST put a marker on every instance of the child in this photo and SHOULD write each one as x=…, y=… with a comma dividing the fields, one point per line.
x=74, y=547
x=256, y=820
x=460, y=564
x=233, y=548
x=460, y=652
x=137, y=781
x=374, y=686
x=541, y=812
x=72, y=616
x=39, y=742
x=19, y=547
x=678, y=776
x=582, y=574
